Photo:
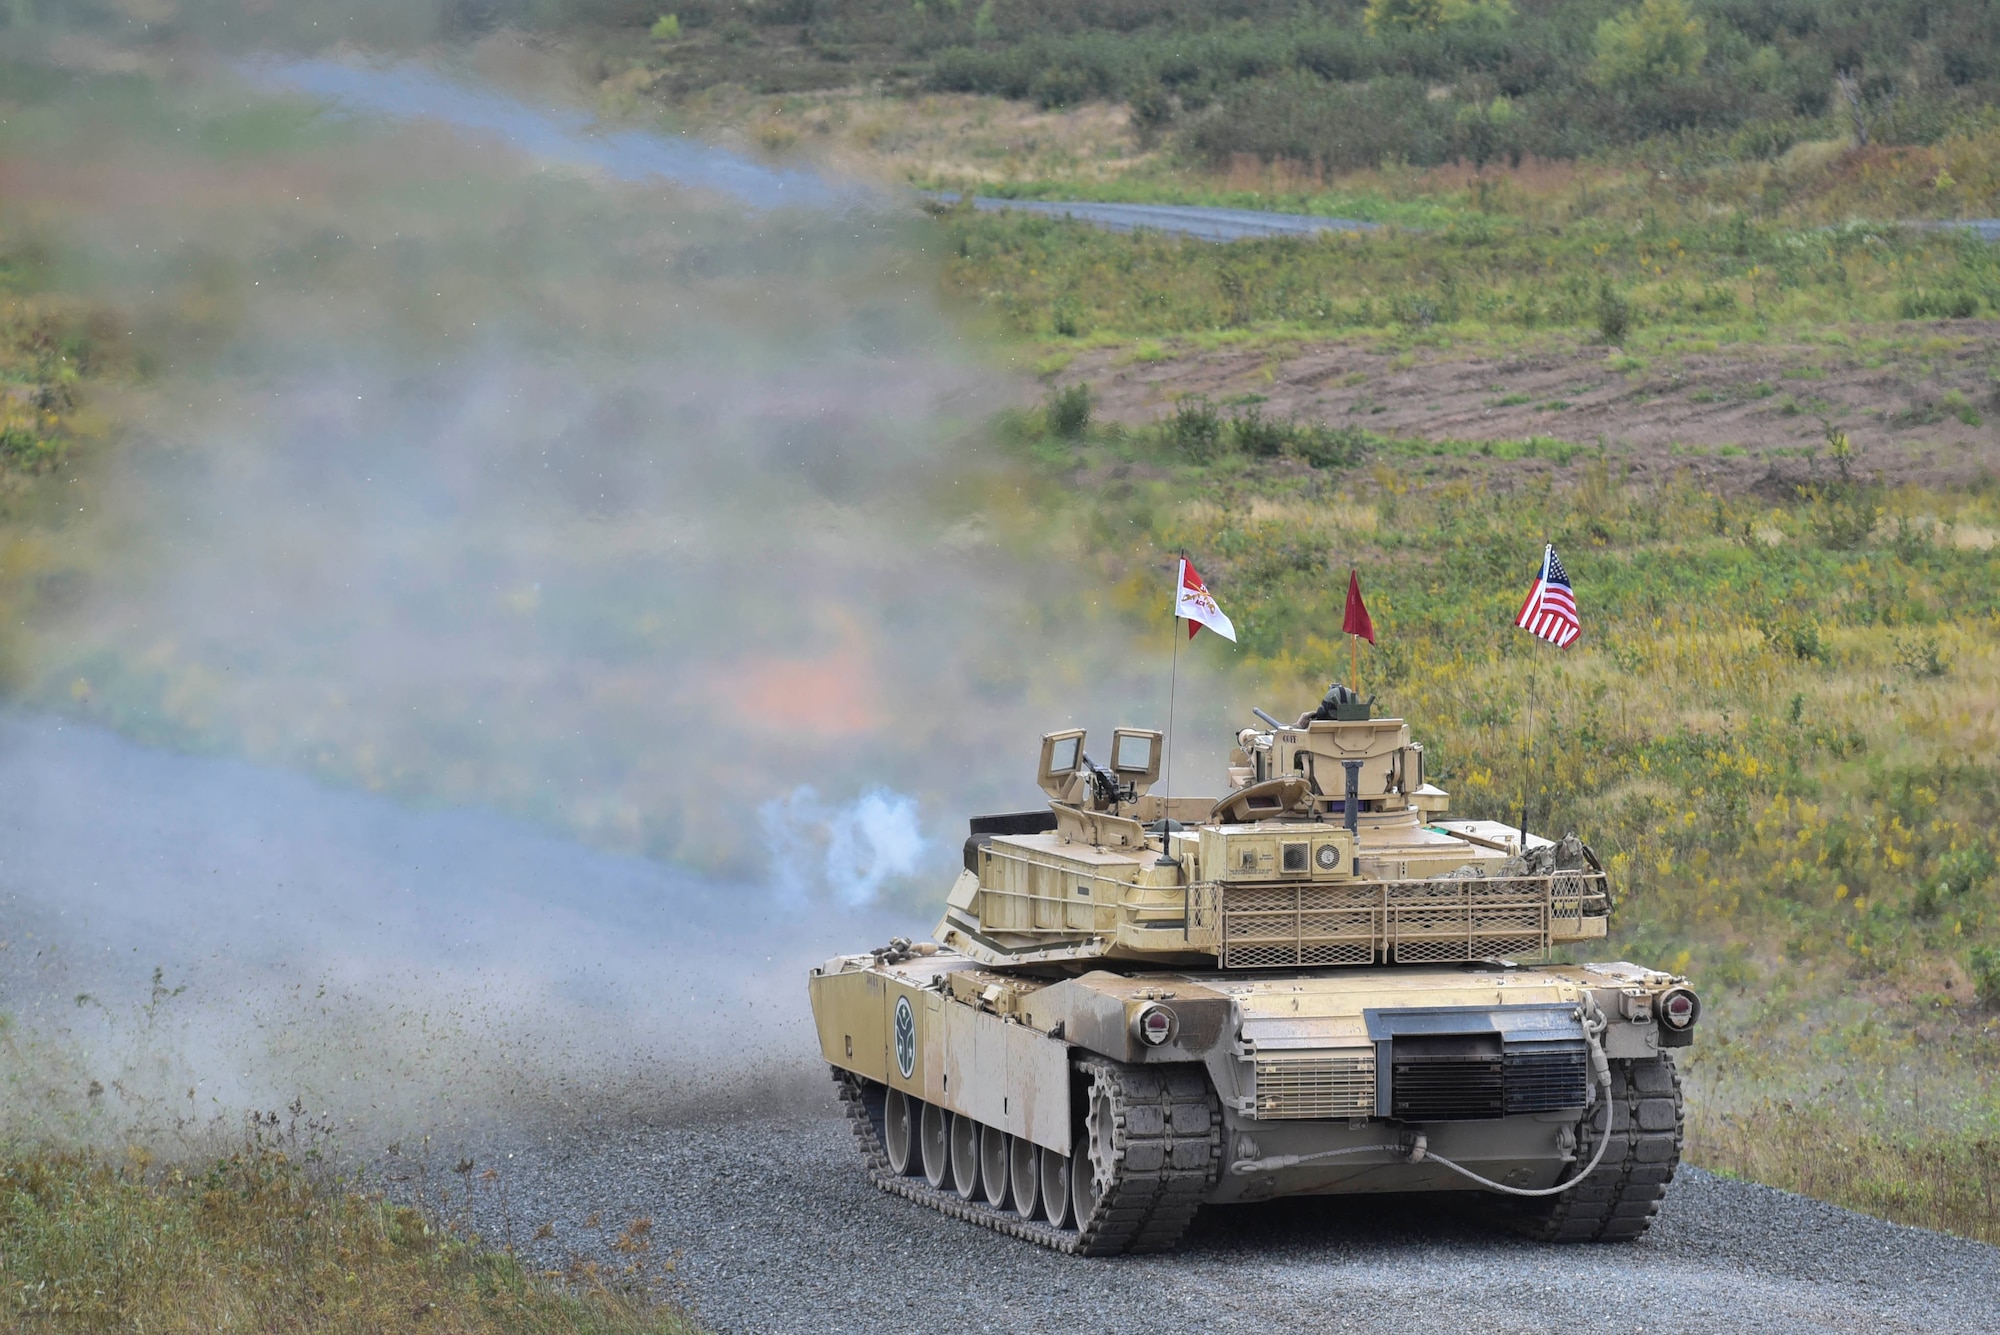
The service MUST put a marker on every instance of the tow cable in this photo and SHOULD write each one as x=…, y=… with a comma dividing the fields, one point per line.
x=1417, y=1149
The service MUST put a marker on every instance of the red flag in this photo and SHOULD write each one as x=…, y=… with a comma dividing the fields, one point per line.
x=1357, y=622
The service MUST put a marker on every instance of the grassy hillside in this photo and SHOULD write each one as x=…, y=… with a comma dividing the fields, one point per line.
x=1777, y=728
x=1338, y=85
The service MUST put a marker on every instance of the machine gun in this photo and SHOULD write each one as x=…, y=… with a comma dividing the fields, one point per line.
x=1105, y=789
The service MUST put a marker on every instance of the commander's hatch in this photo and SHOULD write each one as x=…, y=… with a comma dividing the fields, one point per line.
x=1135, y=757
x=1062, y=756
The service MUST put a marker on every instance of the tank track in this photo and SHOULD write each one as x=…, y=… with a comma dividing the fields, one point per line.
x=1162, y=1127
x=1617, y=1202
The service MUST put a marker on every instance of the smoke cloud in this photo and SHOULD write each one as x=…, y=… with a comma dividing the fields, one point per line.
x=547, y=589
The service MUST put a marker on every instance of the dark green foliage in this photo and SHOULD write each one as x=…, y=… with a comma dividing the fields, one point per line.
x=1921, y=305
x=1985, y=963
x=1335, y=127
x=1251, y=434
x=1614, y=313
x=1069, y=412
x=1194, y=430
x=1958, y=875
x=1302, y=79
x=26, y=451
x=1921, y=657
x=1795, y=637
x=1323, y=446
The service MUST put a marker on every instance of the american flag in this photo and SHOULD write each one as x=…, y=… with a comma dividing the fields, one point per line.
x=1550, y=612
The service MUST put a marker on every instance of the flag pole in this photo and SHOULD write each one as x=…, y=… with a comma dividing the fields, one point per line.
x=1528, y=765
x=1167, y=858
x=1354, y=663
x=1528, y=762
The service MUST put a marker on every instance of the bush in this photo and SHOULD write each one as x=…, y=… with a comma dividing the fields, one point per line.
x=1335, y=127
x=1922, y=305
x=1194, y=430
x=1323, y=446
x=1958, y=875
x=1250, y=434
x=1797, y=638
x=1922, y=658
x=1614, y=313
x=1656, y=43
x=1068, y=412
x=1985, y=964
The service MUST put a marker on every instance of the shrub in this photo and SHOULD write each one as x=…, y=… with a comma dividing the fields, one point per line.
x=1958, y=875
x=1922, y=658
x=1419, y=15
x=1194, y=429
x=666, y=28
x=1068, y=412
x=1323, y=446
x=1922, y=305
x=1659, y=41
x=1251, y=434
x=1797, y=638
x=1383, y=17
x=1986, y=975
x=1335, y=127
x=27, y=451
x=1614, y=313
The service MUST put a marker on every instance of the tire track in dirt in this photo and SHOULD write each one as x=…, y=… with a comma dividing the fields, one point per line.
x=1921, y=406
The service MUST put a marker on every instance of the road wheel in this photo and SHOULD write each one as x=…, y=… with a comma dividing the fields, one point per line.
x=933, y=1136
x=900, y=1114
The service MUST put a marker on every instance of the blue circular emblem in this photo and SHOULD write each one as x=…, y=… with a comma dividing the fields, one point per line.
x=906, y=1038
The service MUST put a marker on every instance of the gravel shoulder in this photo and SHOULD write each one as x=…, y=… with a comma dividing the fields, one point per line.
x=1199, y=221
x=770, y=1225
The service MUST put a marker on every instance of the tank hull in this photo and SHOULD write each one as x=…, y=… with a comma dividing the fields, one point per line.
x=1311, y=1083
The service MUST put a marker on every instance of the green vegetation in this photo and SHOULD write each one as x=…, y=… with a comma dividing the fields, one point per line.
x=1481, y=276
x=1338, y=85
x=1775, y=727
x=263, y=1239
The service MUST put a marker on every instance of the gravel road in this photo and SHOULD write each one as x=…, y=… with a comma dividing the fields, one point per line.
x=1213, y=224
x=778, y=1230
x=1202, y=223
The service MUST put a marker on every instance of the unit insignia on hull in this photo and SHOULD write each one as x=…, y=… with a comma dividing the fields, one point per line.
x=906, y=1038
x=1318, y=983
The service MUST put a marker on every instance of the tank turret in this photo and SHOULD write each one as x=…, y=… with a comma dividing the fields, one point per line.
x=1330, y=847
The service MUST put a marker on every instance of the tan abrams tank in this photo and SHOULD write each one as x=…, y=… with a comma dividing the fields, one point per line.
x=1316, y=985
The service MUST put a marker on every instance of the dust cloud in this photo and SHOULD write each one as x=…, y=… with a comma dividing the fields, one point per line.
x=546, y=588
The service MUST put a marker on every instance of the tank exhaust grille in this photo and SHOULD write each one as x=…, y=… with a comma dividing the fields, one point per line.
x=1448, y=1078
x=1316, y=1085
x=1546, y=1077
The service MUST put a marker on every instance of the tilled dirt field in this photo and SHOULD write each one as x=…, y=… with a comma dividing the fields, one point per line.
x=770, y=1225
x=1922, y=408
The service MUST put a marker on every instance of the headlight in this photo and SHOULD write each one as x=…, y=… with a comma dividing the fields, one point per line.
x=1679, y=1008
x=1155, y=1024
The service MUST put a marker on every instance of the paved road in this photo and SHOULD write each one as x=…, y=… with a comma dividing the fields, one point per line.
x=780, y=1231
